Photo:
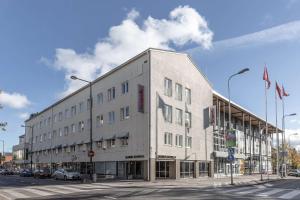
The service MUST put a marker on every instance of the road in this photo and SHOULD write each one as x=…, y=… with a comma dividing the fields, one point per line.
x=14, y=187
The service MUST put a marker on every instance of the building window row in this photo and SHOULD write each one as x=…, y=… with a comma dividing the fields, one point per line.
x=168, y=85
x=168, y=112
x=168, y=140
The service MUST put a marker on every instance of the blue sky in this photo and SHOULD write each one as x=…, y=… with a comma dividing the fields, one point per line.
x=42, y=42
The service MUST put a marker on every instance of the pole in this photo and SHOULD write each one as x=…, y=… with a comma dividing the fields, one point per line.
x=229, y=126
x=283, y=141
x=91, y=131
x=277, y=136
x=266, y=104
x=260, y=157
x=31, y=147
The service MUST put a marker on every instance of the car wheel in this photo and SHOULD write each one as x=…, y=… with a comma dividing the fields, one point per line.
x=65, y=178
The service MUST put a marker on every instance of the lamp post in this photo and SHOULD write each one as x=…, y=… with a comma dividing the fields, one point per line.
x=91, y=153
x=283, y=171
x=229, y=112
x=31, y=143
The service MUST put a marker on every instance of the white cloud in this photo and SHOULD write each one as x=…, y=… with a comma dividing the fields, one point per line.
x=184, y=25
x=294, y=121
x=285, y=32
x=24, y=116
x=14, y=100
x=293, y=136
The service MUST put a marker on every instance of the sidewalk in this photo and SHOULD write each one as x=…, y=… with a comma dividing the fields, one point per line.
x=198, y=182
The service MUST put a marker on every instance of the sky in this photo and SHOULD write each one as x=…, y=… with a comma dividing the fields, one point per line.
x=43, y=42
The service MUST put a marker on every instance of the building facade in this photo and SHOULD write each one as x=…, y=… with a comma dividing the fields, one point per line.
x=20, y=153
x=152, y=118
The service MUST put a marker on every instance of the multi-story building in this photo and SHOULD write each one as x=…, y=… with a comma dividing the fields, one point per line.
x=152, y=118
x=20, y=153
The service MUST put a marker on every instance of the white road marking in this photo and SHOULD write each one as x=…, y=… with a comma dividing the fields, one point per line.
x=250, y=191
x=144, y=192
x=236, y=189
x=38, y=192
x=4, y=197
x=14, y=194
x=71, y=188
x=273, y=191
x=56, y=190
x=290, y=195
x=109, y=197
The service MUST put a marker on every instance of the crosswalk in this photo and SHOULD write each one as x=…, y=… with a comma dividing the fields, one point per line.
x=49, y=190
x=261, y=191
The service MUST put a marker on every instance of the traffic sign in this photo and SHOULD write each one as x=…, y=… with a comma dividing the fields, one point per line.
x=91, y=153
x=230, y=158
x=231, y=151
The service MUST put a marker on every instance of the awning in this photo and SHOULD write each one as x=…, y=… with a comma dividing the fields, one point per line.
x=74, y=144
x=112, y=138
x=99, y=140
x=66, y=145
x=124, y=136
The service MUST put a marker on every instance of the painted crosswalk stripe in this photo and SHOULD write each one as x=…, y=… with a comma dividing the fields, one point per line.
x=236, y=189
x=144, y=192
x=37, y=192
x=270, y=192
x=71, y=188
x=13, y=194
x=56, y=190
x=4, y=197
x=251, y=191
x=290, y=195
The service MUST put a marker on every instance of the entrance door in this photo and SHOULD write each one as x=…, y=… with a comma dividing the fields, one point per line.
x=163, y=169
x=135, y=169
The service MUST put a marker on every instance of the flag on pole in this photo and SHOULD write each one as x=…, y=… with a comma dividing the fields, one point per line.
x=266, y=77
x=284, y=93
x=278, y=90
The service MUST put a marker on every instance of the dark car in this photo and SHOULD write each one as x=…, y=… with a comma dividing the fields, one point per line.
x=6, y=172
x=26, y=173
x=42, y=173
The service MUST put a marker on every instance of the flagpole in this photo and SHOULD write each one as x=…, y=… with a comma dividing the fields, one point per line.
x=277, y=135
x=266, y=104
x=283, y=139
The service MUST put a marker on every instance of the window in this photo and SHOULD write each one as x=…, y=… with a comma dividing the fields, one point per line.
x=88, y=102
x=179, y=140
x=99, y=144
x=178, y=92
x=49, y=121
x=60, y=132
x=188, y=142
x=141, y=98
x=99, y=120
x=124, y=113
x=73, y=111
x=111, y=94
x=168, y=113
x=111, y=117
x=168, y=139
x=81, y=107
x=187, y=95
x=60, y=116
x=55, y=118
x=168, y=87
x=66, y=130
x=124, y=141
x=111, y=143
x=203, y=168
x=54, y=134
x=186, y=169
x=178, y=115
x=41, y=138
x=66, y=113
x=73, y=128
x=81, y=126
x=100, y=98
x=49, y=135
x=125, y=87
x=41, y=124
x=188, y=119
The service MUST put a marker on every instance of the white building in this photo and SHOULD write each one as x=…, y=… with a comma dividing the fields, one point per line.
x=151, y=120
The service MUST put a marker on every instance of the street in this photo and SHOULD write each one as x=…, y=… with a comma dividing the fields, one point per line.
x=15, y=187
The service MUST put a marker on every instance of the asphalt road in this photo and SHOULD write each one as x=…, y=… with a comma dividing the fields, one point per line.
x=14, y=187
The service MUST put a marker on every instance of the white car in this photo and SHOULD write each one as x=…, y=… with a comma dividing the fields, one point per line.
x=66, y=174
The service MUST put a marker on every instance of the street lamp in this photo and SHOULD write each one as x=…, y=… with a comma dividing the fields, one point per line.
x=283, y=173
x=31, y=143
x=91, y=153
x=229, y=110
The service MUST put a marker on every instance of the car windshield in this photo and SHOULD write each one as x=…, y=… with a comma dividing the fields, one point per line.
x=69, y=170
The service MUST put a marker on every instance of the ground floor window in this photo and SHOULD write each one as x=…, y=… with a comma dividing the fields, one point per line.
x=186, y=169
x=162, y=169
x=203, y=168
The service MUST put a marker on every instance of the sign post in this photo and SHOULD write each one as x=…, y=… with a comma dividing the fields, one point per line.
x=231, y=144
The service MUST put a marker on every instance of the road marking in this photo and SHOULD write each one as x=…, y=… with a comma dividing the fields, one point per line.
x=290, y=195
x=250, y=191
x=71, y=188
x=14, y=194
x=109, y=197
x=145, y=192
x=38, y=192
x=273, y=191
x=236, y=189
x=4, y=196
x=56, y=190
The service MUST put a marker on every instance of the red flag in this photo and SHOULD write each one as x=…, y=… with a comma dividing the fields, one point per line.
x=284, y=93
x=278, y=90
x=266, y=77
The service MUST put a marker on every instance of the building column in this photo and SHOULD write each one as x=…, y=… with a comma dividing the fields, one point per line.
x=177, y=167
x=211, y=169
x=196, y=169
x=152, y=169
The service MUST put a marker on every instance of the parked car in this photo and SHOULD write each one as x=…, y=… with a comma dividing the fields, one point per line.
x=66, y=174
x=294, y=172
x=26, y=173
x=42, y=173
x=6, y=172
